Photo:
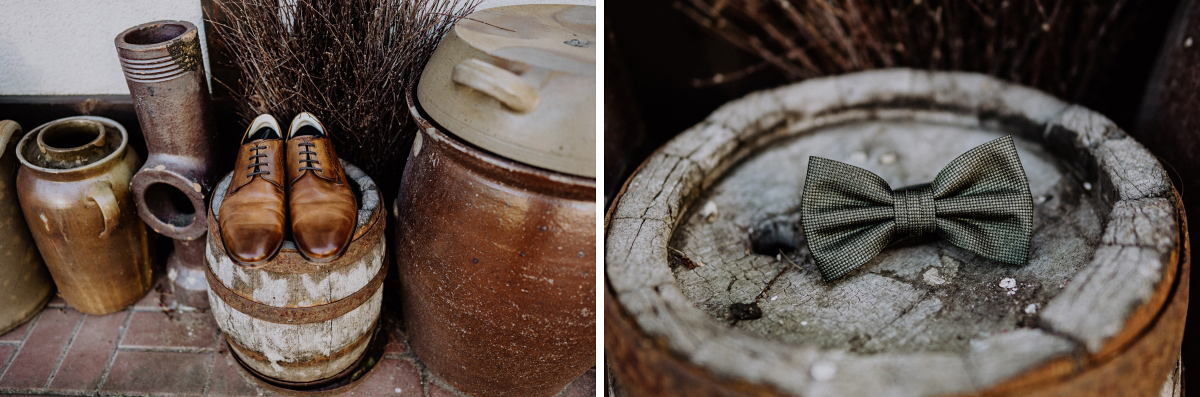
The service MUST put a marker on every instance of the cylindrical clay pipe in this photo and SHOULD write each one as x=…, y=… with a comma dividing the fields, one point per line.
x=164, y=68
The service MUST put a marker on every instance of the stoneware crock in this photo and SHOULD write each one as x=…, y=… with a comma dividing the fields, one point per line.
x=495, y=232
x=74, y=189
x=25, y=285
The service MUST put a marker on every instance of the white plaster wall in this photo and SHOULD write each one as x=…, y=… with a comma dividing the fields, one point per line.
x=65, y=47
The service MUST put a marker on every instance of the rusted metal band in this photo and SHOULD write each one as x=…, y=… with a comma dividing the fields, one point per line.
x=256, y=356
x=296, y=315
x=374, y=338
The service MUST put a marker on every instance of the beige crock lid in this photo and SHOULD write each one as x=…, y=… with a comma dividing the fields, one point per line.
x=520, y=81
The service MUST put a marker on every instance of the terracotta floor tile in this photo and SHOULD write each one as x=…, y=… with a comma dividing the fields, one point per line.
x=6, y=352
x=152, y=299
x=182, y=330
x=158, y=373
x=38, y=356
x=228, y=379
x=584, y=386
x=437, y=389
x=18, y=333
x=391, y=375
x=84, y=363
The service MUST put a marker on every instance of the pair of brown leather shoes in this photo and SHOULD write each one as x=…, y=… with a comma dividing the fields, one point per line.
x=274, y=180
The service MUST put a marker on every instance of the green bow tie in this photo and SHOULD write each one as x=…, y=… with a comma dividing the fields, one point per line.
x=979, y=202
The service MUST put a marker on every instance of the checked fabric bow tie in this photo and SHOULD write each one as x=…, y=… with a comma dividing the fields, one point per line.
x=979, y=202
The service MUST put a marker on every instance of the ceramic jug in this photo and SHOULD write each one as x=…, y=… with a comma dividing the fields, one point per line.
x=74, y=190
x=25, y=285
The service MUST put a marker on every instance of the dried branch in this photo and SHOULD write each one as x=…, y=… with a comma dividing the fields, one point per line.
x=1055, y=45
x=348, y=62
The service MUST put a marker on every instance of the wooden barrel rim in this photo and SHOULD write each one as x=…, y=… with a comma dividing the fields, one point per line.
x=289, y=260
x=1128, y=179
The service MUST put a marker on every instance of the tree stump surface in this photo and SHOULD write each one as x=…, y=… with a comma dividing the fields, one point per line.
x=706, y=256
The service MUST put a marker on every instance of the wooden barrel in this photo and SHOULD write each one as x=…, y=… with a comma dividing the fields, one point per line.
x=295, y=322
x=710, y=223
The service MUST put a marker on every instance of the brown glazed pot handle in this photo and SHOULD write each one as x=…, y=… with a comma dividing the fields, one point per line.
x=101, y=192
x=496, y=82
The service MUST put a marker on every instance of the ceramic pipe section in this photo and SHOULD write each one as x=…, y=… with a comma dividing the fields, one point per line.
x=164, y=68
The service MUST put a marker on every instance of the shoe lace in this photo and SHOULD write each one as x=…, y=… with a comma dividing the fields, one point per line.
x=254, y=157
x=308, y=160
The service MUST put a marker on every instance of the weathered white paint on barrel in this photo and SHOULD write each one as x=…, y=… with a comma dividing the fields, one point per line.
x=304, y=352
x=1097, y=308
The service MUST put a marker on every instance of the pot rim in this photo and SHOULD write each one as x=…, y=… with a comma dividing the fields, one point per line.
x=119, y=151
x=123, y=44
x=540, y=108
x=9, y=129
x=427, y=126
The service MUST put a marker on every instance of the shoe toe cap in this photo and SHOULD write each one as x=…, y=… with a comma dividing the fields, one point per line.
x=252, y=243
x=323, y=241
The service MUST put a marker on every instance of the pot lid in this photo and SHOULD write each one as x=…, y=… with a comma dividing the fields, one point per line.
x=519, y=81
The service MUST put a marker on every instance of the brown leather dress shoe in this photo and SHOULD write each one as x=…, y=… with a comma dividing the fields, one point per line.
x=252, y=216
x=322, y=206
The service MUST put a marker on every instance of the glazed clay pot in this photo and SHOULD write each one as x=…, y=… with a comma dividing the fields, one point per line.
x=24, y=281
x=496, y=263
x=164, y=68
x=74, y=187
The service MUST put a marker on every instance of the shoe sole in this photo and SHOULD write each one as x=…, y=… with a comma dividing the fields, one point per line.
x=332, y=258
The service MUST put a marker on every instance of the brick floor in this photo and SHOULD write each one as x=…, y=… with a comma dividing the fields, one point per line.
x=146, y=350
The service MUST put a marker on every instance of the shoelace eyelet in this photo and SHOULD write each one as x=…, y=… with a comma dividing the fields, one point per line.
x=257, y=163
x=308, y=161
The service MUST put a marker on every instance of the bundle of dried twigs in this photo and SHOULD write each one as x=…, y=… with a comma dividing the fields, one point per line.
x=348, y=62
x=1056, y=45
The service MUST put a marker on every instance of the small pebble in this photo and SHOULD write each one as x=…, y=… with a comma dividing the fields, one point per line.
x=887, y=158
x=1031, y=309
x=804, y=323
x=1187, y=43
x=778, y=257
x=709, y=212
x=1087, y=186
x=774, y=297
x=933, y=277
x=397, y=390
x=1008, y=283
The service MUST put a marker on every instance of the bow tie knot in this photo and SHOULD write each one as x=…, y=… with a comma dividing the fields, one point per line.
x=979, y=202
x=915, y=215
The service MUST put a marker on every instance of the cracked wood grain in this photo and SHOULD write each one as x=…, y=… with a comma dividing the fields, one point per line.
x=923, y=318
